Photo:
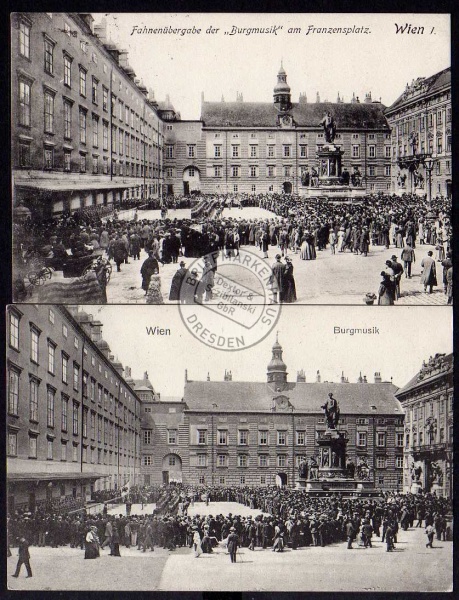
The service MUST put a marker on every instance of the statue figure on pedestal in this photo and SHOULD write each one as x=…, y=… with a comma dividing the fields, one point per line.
x=328, y=123
x=331, y=410
x=303, y=469
x=313, y=468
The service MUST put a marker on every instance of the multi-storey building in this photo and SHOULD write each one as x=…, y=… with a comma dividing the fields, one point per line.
x=73, y=422
x=421, y=124
x=255, y=433
x=427, y=400
x=86, y=132
x=260, y=147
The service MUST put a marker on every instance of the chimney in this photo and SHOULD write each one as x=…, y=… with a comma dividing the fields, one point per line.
x=317, y=98
x=208, y=376
x=378, y=377
x=127, y=371
x=202, y=96
x=353, y=101
x=303, y=98
x=368, y=98
x=228, y=376
x=186, y=375
x=100, y=29
x=301, y=376
x=365, y=379
x=357, y=100
x=318, y=378
x=89, y=20
x=145, y=375
x=343, y=379
x=360, y=379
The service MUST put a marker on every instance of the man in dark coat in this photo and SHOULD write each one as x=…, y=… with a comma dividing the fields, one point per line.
x=233, y=542
x=429, y=273
x=24, y=558
x=177, y=280
x=276, y=279
x=149, y=268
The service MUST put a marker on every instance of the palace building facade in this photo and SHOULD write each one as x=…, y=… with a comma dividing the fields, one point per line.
x=86, y=132
x=421, y=124
x=270, y=147
x=73, y=421
x=428, y=402
x=257, y=433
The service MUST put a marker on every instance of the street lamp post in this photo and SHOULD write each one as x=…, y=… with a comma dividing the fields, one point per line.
x=428, y=164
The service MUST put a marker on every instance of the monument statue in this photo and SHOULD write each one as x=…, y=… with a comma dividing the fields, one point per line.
x=303, y=469
x=331, y=410
x=328, y=123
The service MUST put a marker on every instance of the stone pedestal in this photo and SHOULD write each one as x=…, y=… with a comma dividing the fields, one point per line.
x=416, y=488
x=329, y=165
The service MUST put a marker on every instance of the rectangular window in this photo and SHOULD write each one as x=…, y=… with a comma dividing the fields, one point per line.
x=48, y=159
x=381, y=462
x=253, y=171
x=287, y=169
x=399, y=462
x=14, y=330
x=51, y=357
x=148, y=460
x=172, y=436
x=270, y=151
x=105, y=135
x=67, y=120
x=67, y=71
x=243, y=437
x=371, y=170
x=372, y=151
x=281, y=438
x=202, y=436
x=235, y=151
x=50, y=407
x=361, y=438
x=49, y=57
x=301, y=438
x=303, y=151
x=95, y=164
x=387, y=170
x=105, y=99
x=286, y=151
x=13, y=391
x=242, y=460
x=93, y=425
x=387, y=151
x=114, y=137
x=49, y=112
x=263, y=460
x=75, y=418
x=64, y=413
x=24, y=154
x=399, y=439
x=34, y=349
x=202, y=479
x=147, y=436
x=217, y=151
x=356, y=151
x=33, y=400
x=253, y=151
x=82, y=82
x=24, y=103
x=82, y=126
x=263, y=438
x=76, y=377
x=281, y=460
x=191, y=151
x=222, y=460
x=85, y=423
x=64, y=451
x=222, y=437
x=217, y=171
x=12, y=443
x=75, y=452
x=49, y=453
x=439, y=145
x=24, y=39
x=94, y=91
x=95, y=131
x=202, y=460
x=270, y=171
x=32, y=446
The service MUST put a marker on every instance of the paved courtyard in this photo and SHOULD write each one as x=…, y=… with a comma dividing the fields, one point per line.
x=411, y=567
x=342, y=278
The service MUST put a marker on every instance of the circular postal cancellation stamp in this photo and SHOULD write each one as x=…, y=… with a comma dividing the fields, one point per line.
x=229, y=302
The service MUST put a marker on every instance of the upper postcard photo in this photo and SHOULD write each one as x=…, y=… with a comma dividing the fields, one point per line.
x=231, y=160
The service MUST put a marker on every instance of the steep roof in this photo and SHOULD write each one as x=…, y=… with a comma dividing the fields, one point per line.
x=435, y=374
x=422, y=87
x=142, y=383
x=236, y=396
x=264, y=114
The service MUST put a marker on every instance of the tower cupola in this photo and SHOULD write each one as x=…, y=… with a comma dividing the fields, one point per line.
x=282, y=91
x=277, y=369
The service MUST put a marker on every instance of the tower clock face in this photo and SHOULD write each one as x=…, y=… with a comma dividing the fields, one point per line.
x=286, y=120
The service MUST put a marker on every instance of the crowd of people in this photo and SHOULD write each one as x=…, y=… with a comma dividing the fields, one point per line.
x=287, y=518
x=299, y=226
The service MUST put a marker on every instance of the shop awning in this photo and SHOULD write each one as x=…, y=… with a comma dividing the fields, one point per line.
x=18, y=477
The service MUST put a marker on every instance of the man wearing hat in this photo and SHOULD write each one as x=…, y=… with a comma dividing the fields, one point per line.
x=177, y=280
x=233, y=543
x=276, y=279
x=397, y=268
x=24, y=557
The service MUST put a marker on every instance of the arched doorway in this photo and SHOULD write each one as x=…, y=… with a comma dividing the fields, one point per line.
x=287, y=187
x=281, y=479
x=172, y=468
x=191, y=180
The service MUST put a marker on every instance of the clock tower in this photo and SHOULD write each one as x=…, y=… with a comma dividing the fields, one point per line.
x=282, y=92
x=277, y=369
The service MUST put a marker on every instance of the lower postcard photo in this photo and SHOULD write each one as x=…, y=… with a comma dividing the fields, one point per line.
x=197, y=447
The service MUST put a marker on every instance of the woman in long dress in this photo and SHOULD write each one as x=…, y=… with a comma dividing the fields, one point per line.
x=92, y=543
x=288, y=283
x=197, y=543
x=386, y=292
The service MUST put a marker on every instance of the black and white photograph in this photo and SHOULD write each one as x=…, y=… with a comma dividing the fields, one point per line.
x=329, y=442
x=318, y=145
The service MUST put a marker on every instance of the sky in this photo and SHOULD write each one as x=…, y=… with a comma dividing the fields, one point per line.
x=218, y=64
x=408, y=335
